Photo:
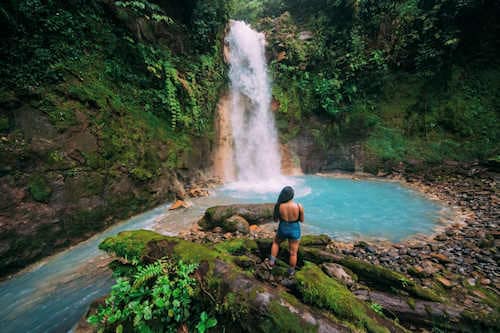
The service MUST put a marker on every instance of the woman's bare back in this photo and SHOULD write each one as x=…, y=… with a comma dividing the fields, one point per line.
x=291, y=211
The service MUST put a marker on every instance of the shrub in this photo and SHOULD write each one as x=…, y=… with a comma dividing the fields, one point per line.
x=154, y=297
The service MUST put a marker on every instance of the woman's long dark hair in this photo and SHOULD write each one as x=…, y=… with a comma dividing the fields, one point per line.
x=286, y=195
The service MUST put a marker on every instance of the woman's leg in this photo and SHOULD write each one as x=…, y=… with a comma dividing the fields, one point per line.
x=293, y=248
x=274, y=249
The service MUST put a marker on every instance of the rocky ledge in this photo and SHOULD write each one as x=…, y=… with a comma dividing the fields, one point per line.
x=331, y=292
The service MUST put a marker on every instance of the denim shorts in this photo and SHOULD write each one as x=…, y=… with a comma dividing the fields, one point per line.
x=289, y=230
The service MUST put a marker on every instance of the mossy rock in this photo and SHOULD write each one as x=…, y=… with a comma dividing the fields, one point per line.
x=381, y=276
x=315, y=240
x=324, y=292
x=130, y=244
x=218, y=216
x=39, y=188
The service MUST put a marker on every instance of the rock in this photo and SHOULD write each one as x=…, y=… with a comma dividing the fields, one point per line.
x=441, y=258
x=198, y=192
x=217, y=230
x=441, y=237
x=479, y=294
x=178, y=204
x=338, y=272
x=445, y=282
x=253, y=213
x=485, y=282
x=413, y=311
x=306, y=35
x=315, y=240
x=281, y=56
x=238, y=223
x=254, y=228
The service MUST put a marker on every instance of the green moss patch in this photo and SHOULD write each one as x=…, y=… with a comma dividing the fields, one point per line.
x=324, y=292
x=130, y=244
x=237, y=246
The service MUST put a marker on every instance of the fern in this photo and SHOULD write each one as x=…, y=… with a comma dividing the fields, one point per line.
x=149, y=272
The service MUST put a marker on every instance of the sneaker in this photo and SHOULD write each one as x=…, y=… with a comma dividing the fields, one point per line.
x=267, y=264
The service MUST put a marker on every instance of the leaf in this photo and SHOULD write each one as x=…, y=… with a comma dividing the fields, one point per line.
x=212, y=322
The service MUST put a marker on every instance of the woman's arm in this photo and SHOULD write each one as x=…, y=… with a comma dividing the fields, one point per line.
x=301, y=213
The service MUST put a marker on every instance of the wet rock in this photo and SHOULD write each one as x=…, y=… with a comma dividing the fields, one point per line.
x=338, y=272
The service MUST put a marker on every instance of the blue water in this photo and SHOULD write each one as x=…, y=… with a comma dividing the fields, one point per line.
x=52, y=295
x=349, y=209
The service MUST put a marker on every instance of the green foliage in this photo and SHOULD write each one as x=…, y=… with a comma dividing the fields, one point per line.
x=205, y=323
x=39, y=188
x=413, y=67
x=377, y=308
x=157, y=297
x=208, y=21
x=146, y=9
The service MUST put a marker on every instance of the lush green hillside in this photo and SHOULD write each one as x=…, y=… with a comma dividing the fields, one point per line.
x=106, y=108
x=402, y=80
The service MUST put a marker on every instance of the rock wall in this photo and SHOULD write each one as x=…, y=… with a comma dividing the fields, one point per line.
x=52, y=195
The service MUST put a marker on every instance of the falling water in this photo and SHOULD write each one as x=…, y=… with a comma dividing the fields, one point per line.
x=256, y=150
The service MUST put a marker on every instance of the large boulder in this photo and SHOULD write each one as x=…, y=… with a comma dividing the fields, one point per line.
x=222, y=216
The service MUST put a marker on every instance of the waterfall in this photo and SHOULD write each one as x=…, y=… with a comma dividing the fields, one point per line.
x=256, y=149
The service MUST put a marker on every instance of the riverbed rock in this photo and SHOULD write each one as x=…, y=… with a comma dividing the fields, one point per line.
x=237, y=223
x=252, y=213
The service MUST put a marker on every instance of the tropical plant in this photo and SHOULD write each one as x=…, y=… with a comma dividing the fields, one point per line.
x=159, y=296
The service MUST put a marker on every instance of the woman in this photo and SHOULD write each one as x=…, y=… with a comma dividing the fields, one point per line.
x=289, y=214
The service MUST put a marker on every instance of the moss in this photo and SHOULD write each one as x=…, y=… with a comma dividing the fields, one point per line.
x=130, y=244
x=381, y=276
x=411, y=303
x=480, y=322
x=237, y=247
x=280, y=319
x=315, y=240
x=193, y=252
x=39, y=188
x=324, y=292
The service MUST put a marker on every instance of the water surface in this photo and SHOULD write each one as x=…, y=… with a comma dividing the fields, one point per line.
x=348, y=209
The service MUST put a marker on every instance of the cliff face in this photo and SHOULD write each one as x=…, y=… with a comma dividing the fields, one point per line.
x=109, y=115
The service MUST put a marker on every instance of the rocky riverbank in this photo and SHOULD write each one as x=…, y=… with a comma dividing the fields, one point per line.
x=460, y=258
